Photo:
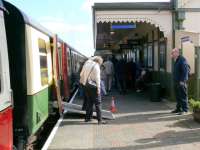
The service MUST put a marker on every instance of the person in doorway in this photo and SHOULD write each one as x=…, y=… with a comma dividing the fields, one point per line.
x=121, y=74
x=90, y=74
x=115, y=61
x=140, y=82
x=180, y=76
x=109, y=70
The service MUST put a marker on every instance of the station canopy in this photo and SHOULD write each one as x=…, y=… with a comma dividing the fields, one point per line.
x=118, y=24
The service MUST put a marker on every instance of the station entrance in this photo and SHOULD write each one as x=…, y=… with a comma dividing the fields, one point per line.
x=139, y=33
x=141, y=42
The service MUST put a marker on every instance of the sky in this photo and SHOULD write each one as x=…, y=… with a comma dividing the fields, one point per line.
x=70, y=19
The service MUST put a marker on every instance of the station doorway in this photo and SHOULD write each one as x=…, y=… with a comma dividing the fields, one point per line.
x=140, y=42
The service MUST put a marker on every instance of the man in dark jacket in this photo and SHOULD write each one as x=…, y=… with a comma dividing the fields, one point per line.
x=180, y=76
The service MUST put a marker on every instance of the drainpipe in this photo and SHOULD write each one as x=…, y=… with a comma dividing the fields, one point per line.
x=174, y=4
x=174, y=7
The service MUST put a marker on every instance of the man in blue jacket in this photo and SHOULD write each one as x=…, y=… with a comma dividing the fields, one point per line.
x=180, y=76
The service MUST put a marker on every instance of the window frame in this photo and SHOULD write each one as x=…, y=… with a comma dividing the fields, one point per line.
x=162, y=54
x=42, y=54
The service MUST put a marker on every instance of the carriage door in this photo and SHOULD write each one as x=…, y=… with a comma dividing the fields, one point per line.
x=5, y=92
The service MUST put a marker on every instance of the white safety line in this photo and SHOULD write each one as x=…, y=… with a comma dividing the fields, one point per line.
x=51, y=136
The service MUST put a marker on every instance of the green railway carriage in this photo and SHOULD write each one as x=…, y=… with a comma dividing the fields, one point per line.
x=37, y=60
x=30, y=64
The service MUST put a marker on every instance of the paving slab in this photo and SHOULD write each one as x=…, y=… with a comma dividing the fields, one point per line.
x=139, y=125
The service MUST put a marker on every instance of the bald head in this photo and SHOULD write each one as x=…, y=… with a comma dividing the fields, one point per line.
x=175, y=53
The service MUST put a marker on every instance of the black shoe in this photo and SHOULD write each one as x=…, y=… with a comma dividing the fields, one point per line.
x=88, y=120
x=102, y=122
x=176, y=111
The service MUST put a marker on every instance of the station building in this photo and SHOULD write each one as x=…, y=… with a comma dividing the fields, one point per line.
x=146, y=32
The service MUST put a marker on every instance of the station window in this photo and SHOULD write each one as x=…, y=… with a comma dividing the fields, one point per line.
x=162, y=51
x=43, y=61
x=150, y=56
x=145, y=56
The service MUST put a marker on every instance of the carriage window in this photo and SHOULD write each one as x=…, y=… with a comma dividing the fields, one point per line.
x=69, y=61
x=43, y=61
x=60, y=57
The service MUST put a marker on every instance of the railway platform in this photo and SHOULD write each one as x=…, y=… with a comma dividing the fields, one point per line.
x=139, y=124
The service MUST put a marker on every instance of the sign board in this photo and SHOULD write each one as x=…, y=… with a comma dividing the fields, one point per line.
x=123, y=26
x=185, y=39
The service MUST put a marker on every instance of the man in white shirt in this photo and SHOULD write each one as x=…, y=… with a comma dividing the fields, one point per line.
x=90, y=75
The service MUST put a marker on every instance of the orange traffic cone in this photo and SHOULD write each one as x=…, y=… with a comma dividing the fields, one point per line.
x=113, y=109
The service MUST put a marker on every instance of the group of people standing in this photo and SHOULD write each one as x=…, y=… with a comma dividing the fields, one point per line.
x=96, y=78
x=130, y=75
x=125, y=74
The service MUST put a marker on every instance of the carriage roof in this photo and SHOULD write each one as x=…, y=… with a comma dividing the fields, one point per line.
x=27, y=20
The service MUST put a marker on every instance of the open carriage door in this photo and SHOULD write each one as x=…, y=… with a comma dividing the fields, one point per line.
x=65, y=71
x=56, y=73
x=6, y=132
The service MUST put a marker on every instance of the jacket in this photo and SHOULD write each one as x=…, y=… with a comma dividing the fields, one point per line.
x=180, y=72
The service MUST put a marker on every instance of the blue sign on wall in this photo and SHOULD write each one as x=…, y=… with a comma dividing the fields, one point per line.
x=124, y=26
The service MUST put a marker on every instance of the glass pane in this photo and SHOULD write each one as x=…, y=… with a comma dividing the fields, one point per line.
x=69, y=62
x=42, y=46
x=162, y=56
x=145, y=56
x=43, y=70
x=60, y=57
x=150, y=59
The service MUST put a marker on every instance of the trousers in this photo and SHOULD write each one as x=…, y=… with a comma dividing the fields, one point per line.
x=93, y=99
x=181, y=96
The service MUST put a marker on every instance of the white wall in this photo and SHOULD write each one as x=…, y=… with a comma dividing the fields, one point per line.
x=188, y=3
x=192, y=21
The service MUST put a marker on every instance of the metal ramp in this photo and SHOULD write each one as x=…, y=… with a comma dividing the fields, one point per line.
x=75, y=108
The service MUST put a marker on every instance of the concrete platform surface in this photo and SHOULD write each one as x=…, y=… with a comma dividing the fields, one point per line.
x=139, y=125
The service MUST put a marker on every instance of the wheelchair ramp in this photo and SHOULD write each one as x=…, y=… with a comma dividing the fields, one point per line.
x=75, y=108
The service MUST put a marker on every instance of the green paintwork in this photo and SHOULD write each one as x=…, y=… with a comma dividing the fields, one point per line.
x=167, y=82
x=37, y=109
x=165, y=79
x=192, y=86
